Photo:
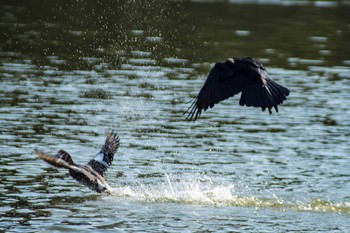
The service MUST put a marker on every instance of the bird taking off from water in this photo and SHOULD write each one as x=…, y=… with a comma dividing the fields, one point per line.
x=228, y=78
x=92, y=173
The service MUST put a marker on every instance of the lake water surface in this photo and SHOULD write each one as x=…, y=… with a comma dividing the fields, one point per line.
x=69, y=72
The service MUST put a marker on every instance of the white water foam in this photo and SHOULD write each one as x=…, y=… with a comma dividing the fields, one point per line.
x=183, y=191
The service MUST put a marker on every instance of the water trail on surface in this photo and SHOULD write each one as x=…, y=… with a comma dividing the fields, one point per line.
x=197, y=192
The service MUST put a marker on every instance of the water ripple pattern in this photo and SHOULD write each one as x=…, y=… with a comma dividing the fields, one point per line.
x=69, y=72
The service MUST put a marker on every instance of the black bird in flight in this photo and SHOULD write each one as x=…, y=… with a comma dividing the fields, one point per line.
x=92, y=173
x=228, y=78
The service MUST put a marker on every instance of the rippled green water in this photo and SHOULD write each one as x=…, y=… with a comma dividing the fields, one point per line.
x=71, y=71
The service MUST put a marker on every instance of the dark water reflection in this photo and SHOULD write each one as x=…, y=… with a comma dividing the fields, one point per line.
x=71, y=70
x=84, y=35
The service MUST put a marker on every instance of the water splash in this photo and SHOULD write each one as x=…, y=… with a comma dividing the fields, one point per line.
x=197, y=192
x=192, y=191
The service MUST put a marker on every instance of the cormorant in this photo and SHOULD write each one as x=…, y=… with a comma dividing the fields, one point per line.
x=228, y=78
x=92, y=173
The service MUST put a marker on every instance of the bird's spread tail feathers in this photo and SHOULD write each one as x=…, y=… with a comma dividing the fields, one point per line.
x=267, y=96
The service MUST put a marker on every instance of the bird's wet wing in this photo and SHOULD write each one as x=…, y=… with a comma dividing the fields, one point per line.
x=224, y=81
x=56, y=161
x=104, y=158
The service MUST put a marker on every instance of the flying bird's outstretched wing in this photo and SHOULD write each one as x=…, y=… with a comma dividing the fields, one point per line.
x=224, y=81
x=104, y=158
x=227, y=79
x=62, y=159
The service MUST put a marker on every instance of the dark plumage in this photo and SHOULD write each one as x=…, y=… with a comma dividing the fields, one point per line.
x=228, y=78
x=92, y=173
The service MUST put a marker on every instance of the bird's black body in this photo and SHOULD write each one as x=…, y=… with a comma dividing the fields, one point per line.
x=92, y=173
x=228, y=78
